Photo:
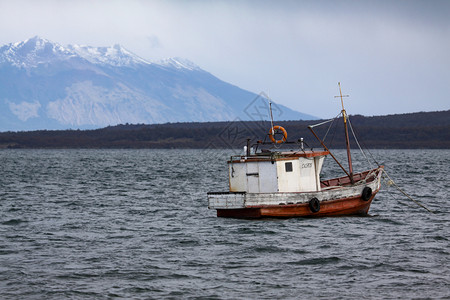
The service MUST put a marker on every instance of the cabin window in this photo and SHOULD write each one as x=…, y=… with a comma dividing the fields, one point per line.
x=288, y=166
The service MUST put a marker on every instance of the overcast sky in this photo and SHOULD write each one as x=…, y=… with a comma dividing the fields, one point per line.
x=390, y=56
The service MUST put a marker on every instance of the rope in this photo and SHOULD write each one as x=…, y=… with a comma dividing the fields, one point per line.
x=334, y=133
x=356, y=140
x=329, y=127
x=367, y=149
x=391, y=181
x=388, y=185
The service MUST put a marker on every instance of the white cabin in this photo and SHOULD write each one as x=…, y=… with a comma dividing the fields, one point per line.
x=285, y=172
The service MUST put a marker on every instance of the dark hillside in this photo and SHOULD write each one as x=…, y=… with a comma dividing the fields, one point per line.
x=415, y=130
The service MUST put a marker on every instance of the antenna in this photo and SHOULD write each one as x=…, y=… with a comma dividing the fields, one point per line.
x=271, y=115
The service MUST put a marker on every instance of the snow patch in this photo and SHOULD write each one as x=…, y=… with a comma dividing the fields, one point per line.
x=178, y=63
x=32, y=52
x=115, y=55
x=25, y=110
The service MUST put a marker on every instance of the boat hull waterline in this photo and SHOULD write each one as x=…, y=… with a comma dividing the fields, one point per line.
x=336, y=200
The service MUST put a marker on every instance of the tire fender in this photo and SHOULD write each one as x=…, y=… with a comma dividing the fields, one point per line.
x=314, y=205
x=366, y=193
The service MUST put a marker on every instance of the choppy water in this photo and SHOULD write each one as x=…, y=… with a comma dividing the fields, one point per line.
x=134, y=224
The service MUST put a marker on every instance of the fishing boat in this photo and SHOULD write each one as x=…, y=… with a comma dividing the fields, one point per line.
x=270, y=182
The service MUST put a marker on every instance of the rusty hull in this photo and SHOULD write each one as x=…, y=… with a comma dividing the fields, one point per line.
x=332, y=208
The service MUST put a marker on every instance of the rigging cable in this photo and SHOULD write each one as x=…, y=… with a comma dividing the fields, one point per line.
x=391, y=181
x=356, y=140
x=329, y=127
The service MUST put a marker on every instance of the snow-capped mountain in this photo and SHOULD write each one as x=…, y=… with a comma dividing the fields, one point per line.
x=114, y=56
x=34, y=51
x=44, y=85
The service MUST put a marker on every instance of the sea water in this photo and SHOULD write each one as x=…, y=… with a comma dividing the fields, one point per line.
x=134, y=224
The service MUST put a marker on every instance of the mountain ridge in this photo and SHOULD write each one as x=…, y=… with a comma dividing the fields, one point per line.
x=44, y=85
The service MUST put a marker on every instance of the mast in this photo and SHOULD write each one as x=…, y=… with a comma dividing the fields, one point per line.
x=347, y=142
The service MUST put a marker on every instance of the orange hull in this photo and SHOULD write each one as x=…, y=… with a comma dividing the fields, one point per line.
x=332, y=208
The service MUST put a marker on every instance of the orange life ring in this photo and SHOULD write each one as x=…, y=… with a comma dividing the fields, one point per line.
x=273, y=130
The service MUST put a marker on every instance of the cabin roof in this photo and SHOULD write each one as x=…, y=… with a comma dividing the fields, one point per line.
x=276, y=156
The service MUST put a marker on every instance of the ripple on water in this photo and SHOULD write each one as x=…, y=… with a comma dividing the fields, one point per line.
x=14, y=222
x=95, y=224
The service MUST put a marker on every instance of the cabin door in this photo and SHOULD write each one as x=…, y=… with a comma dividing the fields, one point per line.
x=252, y=177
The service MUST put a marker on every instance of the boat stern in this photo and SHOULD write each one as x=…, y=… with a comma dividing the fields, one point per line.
x=226, y=200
